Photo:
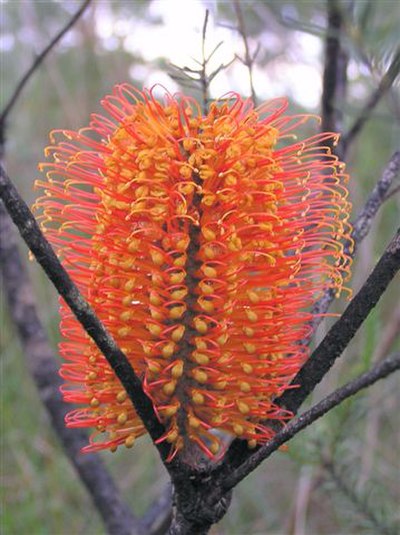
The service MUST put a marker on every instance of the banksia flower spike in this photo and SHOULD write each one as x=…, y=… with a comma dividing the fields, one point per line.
x=202, y=242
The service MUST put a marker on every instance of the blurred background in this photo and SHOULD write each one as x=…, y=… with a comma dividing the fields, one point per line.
x=342, y=475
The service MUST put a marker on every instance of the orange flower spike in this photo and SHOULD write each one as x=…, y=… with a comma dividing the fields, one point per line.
x=201, y=242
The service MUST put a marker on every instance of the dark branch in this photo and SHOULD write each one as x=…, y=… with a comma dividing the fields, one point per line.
x=36, y=64
x=380, y=371
x=384, y=85
x=43, y=366
x=335, y=73
x=363, y=221
x=31, y=233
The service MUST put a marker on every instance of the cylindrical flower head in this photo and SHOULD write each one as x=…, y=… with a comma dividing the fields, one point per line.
x=202, y=242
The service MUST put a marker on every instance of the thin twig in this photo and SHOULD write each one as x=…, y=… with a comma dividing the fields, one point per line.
x=35, y=65
x=157, y=518
x=116, y=515
x=335, y=73
x=203, y=74
x=248, y=58
x=380, y=371
x=34, y=238
x=384, y=85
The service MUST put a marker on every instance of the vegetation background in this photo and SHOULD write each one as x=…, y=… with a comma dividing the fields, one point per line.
x=341, y=476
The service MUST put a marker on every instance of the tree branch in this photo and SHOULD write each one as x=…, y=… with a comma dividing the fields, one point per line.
x=384, y=85
x=334, y=83
x=248, y=57
x=380, y=371
x=157, y=518
x=32, y=235
x=35, y=65
x=116, y=515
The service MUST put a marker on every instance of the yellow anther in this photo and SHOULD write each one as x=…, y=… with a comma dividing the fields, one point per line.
x=198, y=398
x=113, y=448
x=205, y=288
x=244, y=386
x=217, y=420
x=253, y=296
x=235, y=244
x=122, y=418
x=177, y=369
x=185, y=171
x=251, y=315
x=92, y=360
x=209, y=271
x=157, y=258
x=147, y=348
x=188, y=144
x=209, y=199
x=243, y=407
x=214, y=447
x=206, y=305
x=129, y=441
x=134, y=245
x=193, y=421
x=248, y=331
x=156, y=278
x=94, y=402
x=115, y=283
x=209, y=252
x=127, y=300
x=130, y=285
x=200, y=344
x=200, y=358
x=168, y=350
x=92, y=376
x=179, y=294
x=208, y=234
x=156, y=314
x=247, y=368
x=170, y=411
x=180, y=261
x=250, y=348
x=177, y=312
x=172, y=436
x=238, y=430
x=177, y=278
x=200, y=376
x=220, y=385
x=200, y=325
x=252, y=444
x=126, y=315
x=154, y=367
x=169, y=388
x=121, y=396
x=178, y=333
x=154, y=329
x=230, y=180
x=182, y=244
x=222, y=339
